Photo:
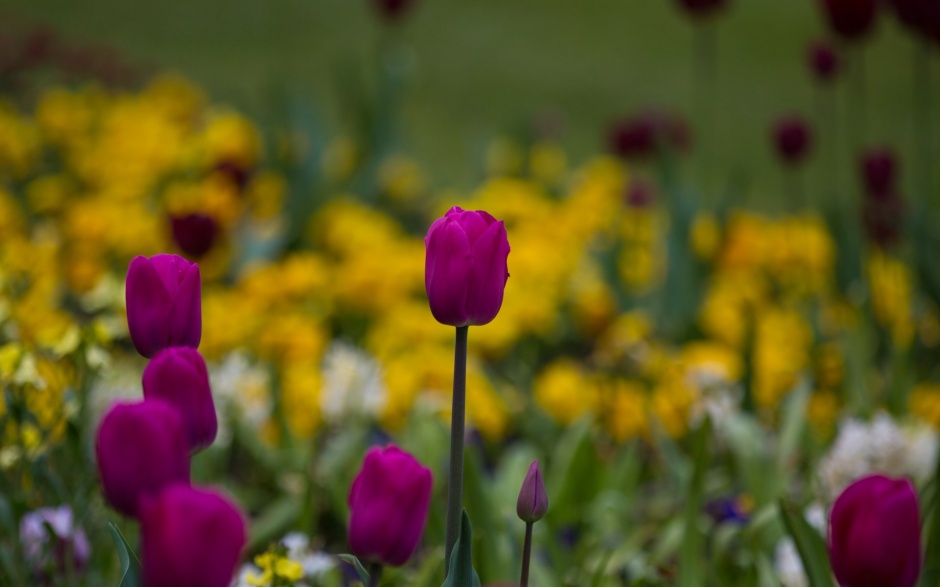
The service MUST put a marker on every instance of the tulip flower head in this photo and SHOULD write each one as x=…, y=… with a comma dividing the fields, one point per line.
x=163, y=295
x=190, y=538
x=874, y=534
x=850, y=19
x=194, y=233
x=388, y=506
x=532, y=504
x=824, y=61
x=178, y=376
x=140, y=448
x=792, y=138
x=465, y=269
x=702, y=8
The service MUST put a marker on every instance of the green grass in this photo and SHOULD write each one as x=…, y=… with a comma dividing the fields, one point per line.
x=486, y=66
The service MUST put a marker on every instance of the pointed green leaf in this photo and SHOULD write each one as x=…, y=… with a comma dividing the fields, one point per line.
x=462, y=573
x=130, y=565
x=810, y=545
x=360, y=570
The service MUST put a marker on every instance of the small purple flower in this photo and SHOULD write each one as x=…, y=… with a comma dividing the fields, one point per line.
x=178, y=376
x=66, y=549
x=465, y=269
x=190, y=538
x=140, y=448
x=532, y=504
x=388, y=506
x=642, y=135
x=879, y=170
x=164, y=303
x=792, y=138
x=874, y=534
x=824, y=61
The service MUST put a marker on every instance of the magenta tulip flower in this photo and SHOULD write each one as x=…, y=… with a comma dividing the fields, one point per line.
x=465, y=269
x=532, y=504
x=874, y=534
x=178, y=376
x=190, y=538
x=164, y=306
x=388, y=506
x=824, y=61
x=140, y=448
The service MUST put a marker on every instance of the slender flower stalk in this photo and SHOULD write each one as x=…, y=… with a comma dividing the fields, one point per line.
x=375, y=574
x=526, y=555
x=457, y=417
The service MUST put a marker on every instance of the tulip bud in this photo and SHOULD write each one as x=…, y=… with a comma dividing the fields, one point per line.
x=163, y=295
x=533, y=500
x=388, y=506
x=194, y=234
x=874, y=534
x=465, y=269
x=792, y=138
x=178, y=376
x=140, y=448
x=851, y=19
x=701, y=8
x=879, y=170
x=392, y=10
x=641, y=135
x=190, y=538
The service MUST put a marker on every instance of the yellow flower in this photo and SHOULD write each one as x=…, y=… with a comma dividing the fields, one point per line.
x=565, y=392
x=925, y=403
x=625, y=409
x=705, y=235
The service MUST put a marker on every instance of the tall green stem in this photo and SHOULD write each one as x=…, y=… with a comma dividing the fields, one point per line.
x=922, y=119
x=526, y=553
x=375, y=574
x=455, y=482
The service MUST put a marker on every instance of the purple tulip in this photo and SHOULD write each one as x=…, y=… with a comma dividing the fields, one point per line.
x=194, y=234
x=874, y=534
x=850, y=19
x=465, y=269
x=641, y=135
x=921, y=16
x=792, y=138
x=824, y=61
x=190, y=538
x=163, y=303
x=388, y=506
x=178, y=376
x=140, y=448
x=879, y=170
x=532, y=504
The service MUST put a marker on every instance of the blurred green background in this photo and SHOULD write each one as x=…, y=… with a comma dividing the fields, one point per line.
x=477, y=69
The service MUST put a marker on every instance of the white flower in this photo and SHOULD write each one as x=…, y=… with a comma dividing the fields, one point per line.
x=242, y=389
x=352, y=383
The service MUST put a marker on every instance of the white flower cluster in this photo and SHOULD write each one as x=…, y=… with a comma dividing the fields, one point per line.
x=353, y=383
x=240, y=389
x=878, y=446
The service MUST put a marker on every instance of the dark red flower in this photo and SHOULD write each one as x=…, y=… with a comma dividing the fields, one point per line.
x=700, y=8
x=824, y=61
x=850, y=19
x=392, y=9
x=792, y=138
x=879, y=169
x=921, y=16
x=194, y=233
x=640, y=194
x=643, y=134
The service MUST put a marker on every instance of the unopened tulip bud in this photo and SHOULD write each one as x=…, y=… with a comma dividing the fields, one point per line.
x=874, y=534
x=850, y=19
x=178, y=376
x=532, y=504
x=164, y=304
x=792, y=138
x=190, y=538
x=388, y=506
x=140, y=448
x=465, y=269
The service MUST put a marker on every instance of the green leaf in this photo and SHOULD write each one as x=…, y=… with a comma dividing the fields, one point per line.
x=810, y=545
x=691, y=553
x=573, y=475
x=462, y=573
x=360, y=570
x=130, y=565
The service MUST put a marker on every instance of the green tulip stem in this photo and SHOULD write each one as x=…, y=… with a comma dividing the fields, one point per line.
x=455, y=482
x=375, y=574
x=526, y=552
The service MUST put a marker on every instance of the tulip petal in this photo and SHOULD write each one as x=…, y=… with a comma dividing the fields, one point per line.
x=178, y=376
x=147, y=302
x=474, y=223
x=186, y=310
x=488, y=274
x=447, y=271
